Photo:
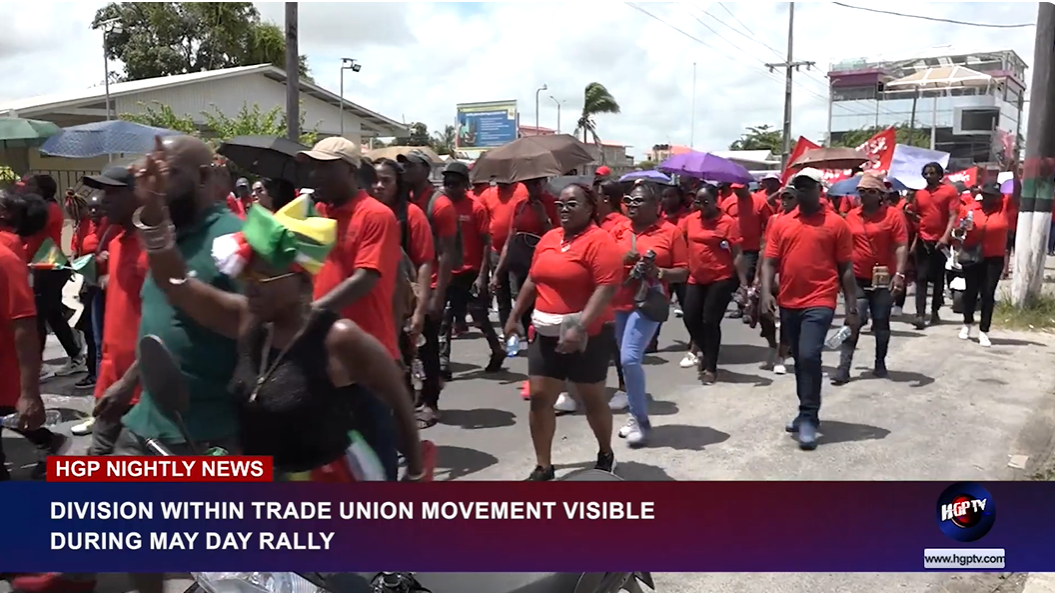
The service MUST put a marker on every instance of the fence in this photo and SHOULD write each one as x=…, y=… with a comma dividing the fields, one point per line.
x=66, y=179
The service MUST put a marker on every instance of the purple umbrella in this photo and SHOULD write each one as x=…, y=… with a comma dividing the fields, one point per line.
x=1008, y=187
x=704, y=165
x=649, y=175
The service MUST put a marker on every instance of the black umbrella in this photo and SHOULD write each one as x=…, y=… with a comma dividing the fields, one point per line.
x=272, y=157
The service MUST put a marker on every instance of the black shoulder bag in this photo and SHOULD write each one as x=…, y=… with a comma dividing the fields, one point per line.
x=650, y=301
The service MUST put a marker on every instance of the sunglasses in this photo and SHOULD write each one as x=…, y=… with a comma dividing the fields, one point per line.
x=633, y=202
x=260, y=278
x=563, y=206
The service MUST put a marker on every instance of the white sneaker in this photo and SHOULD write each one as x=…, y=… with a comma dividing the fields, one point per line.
x=84, y=428
x=637, y=436
x=779, y=368
x=630, y=426
x=565, y=403
x=896, y=312
x=983, y=339
x=965, y=332
x=72, y=367
x=618, y=402
x=678, y=312
x=690, y=361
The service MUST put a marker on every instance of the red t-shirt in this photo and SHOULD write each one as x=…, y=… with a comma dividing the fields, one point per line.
x=613, y=220
x=420, y=247
x=128, y=271
x=53, y=231
x=934, y=208
x=14, y=243
x=444, y=223
x=526, y=220
x=710, y=246
x=566, y=274
x=751, y=214
x=367, y=238
x=810, y=249
x=16, y=302
x=499, y=201
x=990, y=229
x=472, y=216
x=664, y=238
x=876, y=238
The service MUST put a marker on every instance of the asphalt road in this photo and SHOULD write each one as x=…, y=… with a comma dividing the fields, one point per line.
x=951, y=410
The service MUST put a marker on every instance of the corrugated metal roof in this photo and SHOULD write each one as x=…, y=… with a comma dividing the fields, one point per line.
x=44, y=103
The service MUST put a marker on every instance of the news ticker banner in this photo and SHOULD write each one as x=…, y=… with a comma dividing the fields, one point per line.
x=517, y=526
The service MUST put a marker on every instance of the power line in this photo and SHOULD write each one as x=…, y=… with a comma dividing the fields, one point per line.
x=934, y=19
x=751, y=35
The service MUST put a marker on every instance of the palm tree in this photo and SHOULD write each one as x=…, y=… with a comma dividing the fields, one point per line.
x=443, y=142
x=596, y=99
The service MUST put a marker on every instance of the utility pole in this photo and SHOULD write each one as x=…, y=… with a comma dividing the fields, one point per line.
x=1038, y=187
x=292, y=74
x=790, y=66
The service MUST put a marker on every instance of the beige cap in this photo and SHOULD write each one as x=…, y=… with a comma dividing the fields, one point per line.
x=871, y=181
x=809, y=173
x=333, y=148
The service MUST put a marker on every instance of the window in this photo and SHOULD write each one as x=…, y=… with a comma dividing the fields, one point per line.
x=979, y=120
x=854, y=93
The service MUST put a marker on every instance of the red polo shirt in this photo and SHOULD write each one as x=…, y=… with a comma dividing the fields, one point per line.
x=567, y=273
x=664, y=238
x=128, y=271
x=990, y=229
x=933, y=208
x=420, y=247
x=472, y=216
x=16, y=302
x=876, y=238
x=526, y=220
x=613, y=221
x=752, y=214
x=710, y=244
x=368, y=238
x=499, y=202
x=810, y=249
x=444, y=223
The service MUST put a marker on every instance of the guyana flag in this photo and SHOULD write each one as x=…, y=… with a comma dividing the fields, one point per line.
x=50, y=257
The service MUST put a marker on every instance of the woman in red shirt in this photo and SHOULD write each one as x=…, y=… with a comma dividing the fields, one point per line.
x=987, y=239
x=645, y=232
x=715, y=271
x=574, y=274
x=880, y=251
x=609, y=207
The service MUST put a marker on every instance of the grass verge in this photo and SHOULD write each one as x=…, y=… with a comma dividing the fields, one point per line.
x=1038, y=316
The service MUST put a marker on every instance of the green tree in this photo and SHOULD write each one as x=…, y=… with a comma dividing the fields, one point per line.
x=419, y=136
x=762, y=137
x=217, y=126
x=646, y=165
x=905, y=135
x=153, y=39
x=596, y=100
x=443, y=142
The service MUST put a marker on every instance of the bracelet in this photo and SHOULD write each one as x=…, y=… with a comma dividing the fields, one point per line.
x=155, y=238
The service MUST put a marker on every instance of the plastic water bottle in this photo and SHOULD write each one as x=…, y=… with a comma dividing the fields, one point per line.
x=838, y=337
x=512, y=346
x=51, y=418
x=417, y=369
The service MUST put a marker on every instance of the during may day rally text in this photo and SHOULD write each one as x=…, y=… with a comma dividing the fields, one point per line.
x=301, y=511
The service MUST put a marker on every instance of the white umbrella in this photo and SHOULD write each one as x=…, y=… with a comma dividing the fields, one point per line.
x=939, y=78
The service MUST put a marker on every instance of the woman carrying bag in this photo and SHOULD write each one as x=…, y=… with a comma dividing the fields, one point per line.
x=982, y=259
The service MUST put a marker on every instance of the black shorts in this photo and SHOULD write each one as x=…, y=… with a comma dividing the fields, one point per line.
x=587, y=367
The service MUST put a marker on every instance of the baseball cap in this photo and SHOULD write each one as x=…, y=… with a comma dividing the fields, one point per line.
x=603, y=171
x=809, y=173
x=869, y=181
x=415, y=156
x=242, y=182
x=334, y=148
x=991, y=188
x=113, y=176
x=771, y=175
x=456, y=168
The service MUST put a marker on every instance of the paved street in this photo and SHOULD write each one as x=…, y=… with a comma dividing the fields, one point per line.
x=950, y=411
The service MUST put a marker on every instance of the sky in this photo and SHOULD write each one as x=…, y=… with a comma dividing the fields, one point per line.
x=421, y=59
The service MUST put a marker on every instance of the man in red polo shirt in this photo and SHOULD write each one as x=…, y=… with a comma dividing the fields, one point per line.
x=812, y=247
x=936, y=206
x=358, y=279
x=751, y=212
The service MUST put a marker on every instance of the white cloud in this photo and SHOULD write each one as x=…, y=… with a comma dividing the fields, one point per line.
x=420, y=59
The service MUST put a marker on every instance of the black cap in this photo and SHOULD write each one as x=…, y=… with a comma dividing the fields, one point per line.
x=991, y=188
x=113, y=176
x=457, y=168
x=415, y=156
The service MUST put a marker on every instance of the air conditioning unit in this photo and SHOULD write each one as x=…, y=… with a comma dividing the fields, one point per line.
x=975, y=121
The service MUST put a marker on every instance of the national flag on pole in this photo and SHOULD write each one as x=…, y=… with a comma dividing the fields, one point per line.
x=85, y=266
x=49, y=257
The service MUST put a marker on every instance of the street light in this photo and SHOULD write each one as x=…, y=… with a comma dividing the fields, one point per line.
x=559, y=103
x=108, y=26
x=346, y=64
x=542, y=88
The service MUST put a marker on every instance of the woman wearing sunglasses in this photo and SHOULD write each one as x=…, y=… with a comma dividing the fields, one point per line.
x=715, y=271
x=573, y=277
x=644, y=233
x=880, y=253
x=303, y=374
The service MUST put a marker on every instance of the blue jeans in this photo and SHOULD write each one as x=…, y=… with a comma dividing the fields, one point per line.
x=633, y=333
x=806, y=330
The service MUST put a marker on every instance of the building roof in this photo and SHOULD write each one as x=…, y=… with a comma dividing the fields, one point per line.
x=898, y=57
x=45, y=103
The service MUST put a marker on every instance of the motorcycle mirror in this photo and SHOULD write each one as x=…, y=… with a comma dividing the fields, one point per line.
x=591, y=475
x=161, y=376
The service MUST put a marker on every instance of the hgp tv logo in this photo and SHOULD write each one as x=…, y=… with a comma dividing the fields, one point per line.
x=966, y=512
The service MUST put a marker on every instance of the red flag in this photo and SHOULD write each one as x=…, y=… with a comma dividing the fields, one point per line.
x=800, y=147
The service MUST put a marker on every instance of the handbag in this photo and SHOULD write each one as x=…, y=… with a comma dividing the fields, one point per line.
x=969, y=256
x=654, y=304
x=880, y=274
x=521, y=249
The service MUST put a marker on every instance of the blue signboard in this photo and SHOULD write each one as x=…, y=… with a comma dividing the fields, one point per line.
x=486, y=125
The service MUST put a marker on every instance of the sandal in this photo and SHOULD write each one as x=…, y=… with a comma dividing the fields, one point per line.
x=426, y=417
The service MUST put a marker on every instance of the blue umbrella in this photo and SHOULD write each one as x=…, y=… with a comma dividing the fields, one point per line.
x=848, y=187
x=102, y=138
x=649, y=175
